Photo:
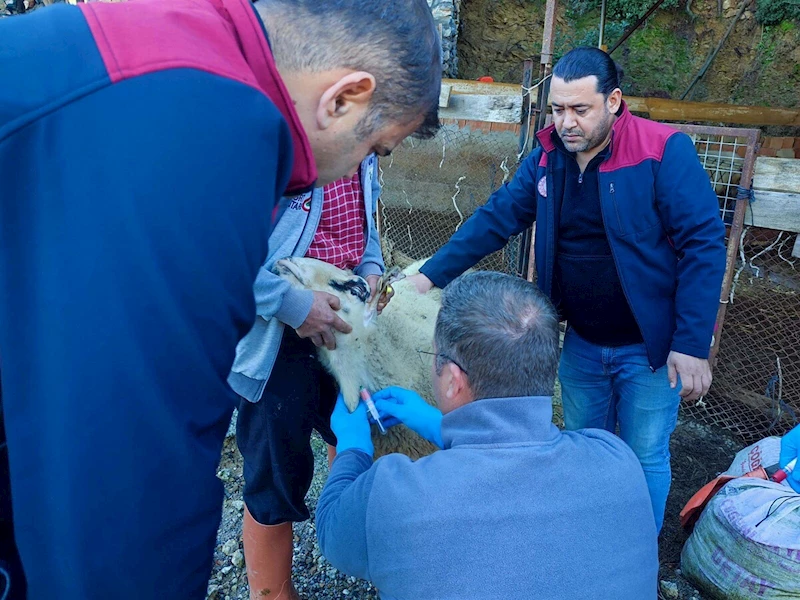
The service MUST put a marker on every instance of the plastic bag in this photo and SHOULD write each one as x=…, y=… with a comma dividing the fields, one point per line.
x=746, y=545
x=764, y=453
x=757, y=460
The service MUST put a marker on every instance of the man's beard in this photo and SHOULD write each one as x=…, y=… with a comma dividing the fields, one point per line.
x=596, y=138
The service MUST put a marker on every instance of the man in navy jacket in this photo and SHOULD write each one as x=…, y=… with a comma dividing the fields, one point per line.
x=630, y=248
x=150, y=143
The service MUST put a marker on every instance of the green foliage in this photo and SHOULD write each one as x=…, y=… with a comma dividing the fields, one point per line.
x=774, y=12
x=657, y=62
x=628, y=10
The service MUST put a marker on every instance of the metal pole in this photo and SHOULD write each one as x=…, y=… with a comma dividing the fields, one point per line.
x=545, y=68
x=635, y=26
x=525, y=123
x=602, y=25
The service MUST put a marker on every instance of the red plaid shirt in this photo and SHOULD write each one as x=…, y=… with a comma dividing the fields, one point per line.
x=340, y=239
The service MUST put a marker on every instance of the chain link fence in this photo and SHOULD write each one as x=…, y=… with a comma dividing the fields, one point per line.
x=431, y=187
x=756, y=389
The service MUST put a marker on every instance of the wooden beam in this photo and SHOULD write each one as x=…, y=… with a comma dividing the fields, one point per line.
x=796, y=249
x=777, y=175
x=466, y=86
x=444, y=95
x=661, y=109
x=774, y=210
x=762, y=404
x=776, y=191
x=491, y=109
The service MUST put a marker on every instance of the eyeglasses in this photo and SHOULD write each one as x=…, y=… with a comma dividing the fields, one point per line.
x=444, y=357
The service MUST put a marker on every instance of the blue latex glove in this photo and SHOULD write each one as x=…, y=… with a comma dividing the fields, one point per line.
x=790, y=448
x=351, y=429
x=412, y=411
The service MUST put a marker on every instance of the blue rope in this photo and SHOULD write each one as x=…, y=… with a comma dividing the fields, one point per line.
x=778, y=405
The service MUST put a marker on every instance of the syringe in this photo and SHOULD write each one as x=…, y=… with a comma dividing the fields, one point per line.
x=783, y=473
x=365, y=396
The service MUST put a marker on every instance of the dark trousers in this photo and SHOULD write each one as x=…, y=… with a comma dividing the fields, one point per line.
x=274, y=433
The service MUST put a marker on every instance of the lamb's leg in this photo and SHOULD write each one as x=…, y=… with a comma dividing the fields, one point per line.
x=349, y=388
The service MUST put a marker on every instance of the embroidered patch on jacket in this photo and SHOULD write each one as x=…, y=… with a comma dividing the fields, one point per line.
x=302, y=202
x=543, y=187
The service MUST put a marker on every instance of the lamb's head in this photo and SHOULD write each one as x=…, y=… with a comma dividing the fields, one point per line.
x=316, y=275
x=353, y=291
x=348, y=363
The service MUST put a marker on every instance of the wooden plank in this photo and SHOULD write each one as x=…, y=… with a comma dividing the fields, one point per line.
x=659, y=109
x=777, y=175
x=444, y=95
x=493, y=109
x=762, y=404
x=774, y=210
x=796, y=249
x=466, y=86
x=662, y=109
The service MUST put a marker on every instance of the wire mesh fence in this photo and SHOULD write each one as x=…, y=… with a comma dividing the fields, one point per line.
x=756, y=389
x=431, y=187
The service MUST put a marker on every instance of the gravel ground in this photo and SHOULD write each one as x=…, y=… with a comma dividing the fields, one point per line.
x=699, y=453
x=313, y=576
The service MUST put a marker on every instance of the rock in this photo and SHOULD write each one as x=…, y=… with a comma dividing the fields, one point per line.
x=224, y=474
x=238, y=505
x=669, y=589
x=226, y=570
x=229, y=547
x=232, y=426
x=213, y=592
x=445, y=13
x=237, y=559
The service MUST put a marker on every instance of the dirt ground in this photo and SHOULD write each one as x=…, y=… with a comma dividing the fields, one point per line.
x=699, y=453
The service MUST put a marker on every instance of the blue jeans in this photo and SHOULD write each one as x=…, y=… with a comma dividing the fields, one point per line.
x=602, y=387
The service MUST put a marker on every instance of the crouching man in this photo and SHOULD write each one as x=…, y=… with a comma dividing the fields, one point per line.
x=511, y=507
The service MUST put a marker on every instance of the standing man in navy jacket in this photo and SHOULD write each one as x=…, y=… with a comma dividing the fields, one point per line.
x=126, y=279
x=630, y=248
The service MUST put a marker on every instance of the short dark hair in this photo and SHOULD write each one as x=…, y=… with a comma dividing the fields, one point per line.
x=585, y=62
x=503, y=333
x=396, y=41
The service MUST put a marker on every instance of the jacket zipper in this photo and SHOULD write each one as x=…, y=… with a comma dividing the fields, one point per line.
x=553, y=226
x=622, y=280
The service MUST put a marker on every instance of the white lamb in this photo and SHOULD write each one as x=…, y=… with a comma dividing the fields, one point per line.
x=393, y=348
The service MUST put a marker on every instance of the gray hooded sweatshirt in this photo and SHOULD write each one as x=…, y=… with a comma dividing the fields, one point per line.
x=277, y=303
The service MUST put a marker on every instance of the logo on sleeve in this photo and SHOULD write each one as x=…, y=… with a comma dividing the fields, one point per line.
x=542, y=186
x=301, y=202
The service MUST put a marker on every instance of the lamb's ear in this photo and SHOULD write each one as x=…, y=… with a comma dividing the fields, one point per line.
x=388, y=278
x=285, y=267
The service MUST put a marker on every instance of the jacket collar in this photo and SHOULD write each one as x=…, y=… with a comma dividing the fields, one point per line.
x=255, y=48
x=545, y=136
x=500, y=422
